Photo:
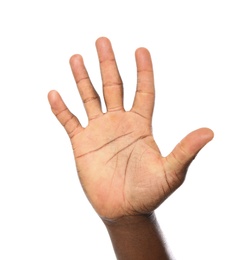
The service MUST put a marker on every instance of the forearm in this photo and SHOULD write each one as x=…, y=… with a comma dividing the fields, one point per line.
x=137, y=237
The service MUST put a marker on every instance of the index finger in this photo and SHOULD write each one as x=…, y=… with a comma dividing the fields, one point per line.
x=145, y=94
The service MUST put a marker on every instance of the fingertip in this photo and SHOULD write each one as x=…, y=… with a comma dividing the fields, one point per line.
x=197, y=139
x=75, y=58
x=143, y=58
x=206, y=134
x=53, y=96
x=142, y=51
x=104, y=49
x=187, y=149
x=102, y=40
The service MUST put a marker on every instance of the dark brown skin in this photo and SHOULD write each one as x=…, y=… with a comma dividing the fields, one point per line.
x=119, y=165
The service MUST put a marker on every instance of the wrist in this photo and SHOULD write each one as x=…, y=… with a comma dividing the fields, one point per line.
x=137, y=237
x=130, y=220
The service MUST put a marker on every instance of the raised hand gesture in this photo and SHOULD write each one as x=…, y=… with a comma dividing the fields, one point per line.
x=119, y=164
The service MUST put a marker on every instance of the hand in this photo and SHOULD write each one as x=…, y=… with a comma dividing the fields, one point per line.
x=119, y=164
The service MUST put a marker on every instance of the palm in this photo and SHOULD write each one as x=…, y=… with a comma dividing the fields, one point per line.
x=119, y=165
x=118, y=162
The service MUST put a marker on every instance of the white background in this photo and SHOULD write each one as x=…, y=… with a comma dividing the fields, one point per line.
x=202, y=62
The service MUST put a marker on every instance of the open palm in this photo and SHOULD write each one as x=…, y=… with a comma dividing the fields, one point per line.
x=119, y=164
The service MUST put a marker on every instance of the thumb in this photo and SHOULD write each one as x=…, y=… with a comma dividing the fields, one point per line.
x=178, y=161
